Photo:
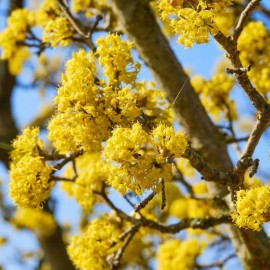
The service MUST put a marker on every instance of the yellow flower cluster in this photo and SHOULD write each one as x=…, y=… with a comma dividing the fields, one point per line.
x=13, y=36
x=89, y=7
x=80, y=5
x=114, y=56
x=192, y=20
x=252, y=207
x=214, y=95
x=190, y=208
x=58, y=32
x=90, y=250
x=175, y=254
x=48, y=10
x=29, y=174
x=254, y=47
x=184, y=167
x=141, y=157
x=86, y=117
x=91, y=177
x=40, y=222
x=80, y=121
x=165, y=139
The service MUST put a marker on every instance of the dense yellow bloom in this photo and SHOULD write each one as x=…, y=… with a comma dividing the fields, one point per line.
x=140, y=165
x=115, y=57
x=91, y=177
x=175, y=254
x=58, y=32
x=29, y=182
x=90, y=250
x=81, y=121
x=153, y=104
x=71, y=131
x=13, y=36
x=214, y=95
x=41, y=222
x=126, y=144
x=168, y=141
x=121, y=106
x=192, y=21
x=252, y=207
x=253, y=39
x=79, y=75
x=26, y=144
x=29, y=174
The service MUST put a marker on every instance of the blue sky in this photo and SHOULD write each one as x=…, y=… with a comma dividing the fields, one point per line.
x=27, y=103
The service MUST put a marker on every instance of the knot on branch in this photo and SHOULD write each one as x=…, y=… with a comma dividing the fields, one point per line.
x=244, y=163
x=239, y=71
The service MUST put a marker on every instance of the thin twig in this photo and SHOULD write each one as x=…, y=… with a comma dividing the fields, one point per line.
x=143, y=203
x=244, y=18
x=118, y=255
x=216, y=264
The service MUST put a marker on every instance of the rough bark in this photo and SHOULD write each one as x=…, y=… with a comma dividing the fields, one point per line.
x=138, y=23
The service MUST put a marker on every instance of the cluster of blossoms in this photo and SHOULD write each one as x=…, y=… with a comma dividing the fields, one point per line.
x=92, y=175
x=13, y=36
x=29, y=173
x=192, y=20
x=142, y=158
x=41, y=222
x=131, y=119
x=214, y=95
x=252, y=207
x=90, y=250
x=254, y=47
x=175, y=254
x=89, y=7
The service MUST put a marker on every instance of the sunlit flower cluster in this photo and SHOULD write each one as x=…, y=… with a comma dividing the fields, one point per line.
x=91, y=177
x=90, y=250
x=175, y=254
x=214, y=95
x=254, y=47
x=114, y=56
x=13, y=36
x=252, y=207
x=192, y=20
x=29, y=174
x=58, y=32
x=141, y=157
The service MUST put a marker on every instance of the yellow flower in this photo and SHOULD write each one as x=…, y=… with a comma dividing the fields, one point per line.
x=90, y=250
x=168, y=141
x=58, y=32
x=175, y=254
x=91, y=177
x=41, y=222
x=115, y=57
x=29, y=182
x=252, y=207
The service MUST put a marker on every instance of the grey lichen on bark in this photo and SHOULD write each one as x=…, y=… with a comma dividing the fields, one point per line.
x=139, y=24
